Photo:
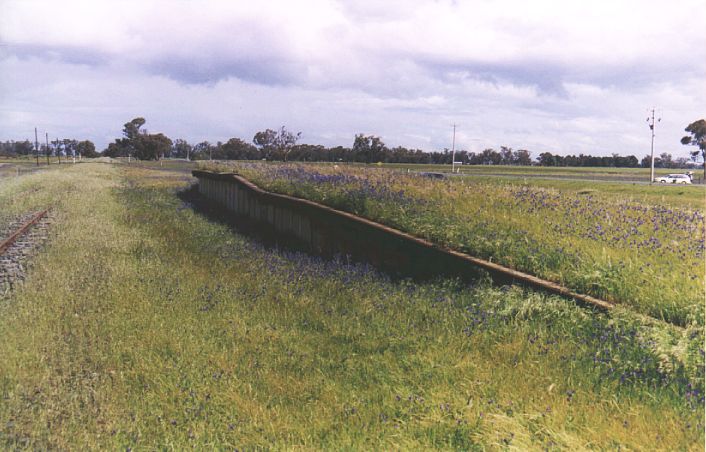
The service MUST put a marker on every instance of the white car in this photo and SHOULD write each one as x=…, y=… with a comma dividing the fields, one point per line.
x=674, y=179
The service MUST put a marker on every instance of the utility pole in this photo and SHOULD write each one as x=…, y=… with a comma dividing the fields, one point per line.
x=651, y=123
x=47, y=140
x=36, y=145
x=453, y=151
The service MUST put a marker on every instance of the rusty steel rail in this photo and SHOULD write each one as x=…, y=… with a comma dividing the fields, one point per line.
x=5, y=244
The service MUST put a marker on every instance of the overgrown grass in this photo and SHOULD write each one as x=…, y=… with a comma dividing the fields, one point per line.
x=646, y=256
x=144, y=325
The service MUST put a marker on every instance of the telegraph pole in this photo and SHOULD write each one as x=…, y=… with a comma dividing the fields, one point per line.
x=47, y=138
x=36, y=145
x=453, y=151
x=651, y=123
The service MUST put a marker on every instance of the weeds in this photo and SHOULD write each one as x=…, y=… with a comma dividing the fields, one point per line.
x=648, y=257
x=144, y=325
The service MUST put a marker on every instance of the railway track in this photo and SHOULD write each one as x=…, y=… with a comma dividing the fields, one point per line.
x=21, y=240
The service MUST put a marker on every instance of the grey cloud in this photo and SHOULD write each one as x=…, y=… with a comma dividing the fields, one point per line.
x=214, y=69
x=203, y=68
x=72, y=55
x=545, y=77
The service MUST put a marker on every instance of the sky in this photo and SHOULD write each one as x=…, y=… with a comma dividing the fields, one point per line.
x=565, y=77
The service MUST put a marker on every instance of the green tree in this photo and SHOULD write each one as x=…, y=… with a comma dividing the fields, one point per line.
x=546, y=159
x=666, y=160
x=368, y=148
x=181, y=149
x=697, y=137
x=139, y=143
x=69, y=146
x=87, y=149
x=276, y=143
x=506, y=156
x=237, y=149
x=522, y=157
x=131, y=129
x=265, y=141
x=115, y=149
x=203, y=151
x=491, y=157
x=152, y=146
x=285, y=140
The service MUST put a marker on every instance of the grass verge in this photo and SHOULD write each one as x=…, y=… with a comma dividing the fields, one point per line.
x=144, y=325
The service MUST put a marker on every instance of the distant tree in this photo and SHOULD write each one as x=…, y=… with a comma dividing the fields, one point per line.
x=522, y=157
x=69, y=146
x=126, y=146
x=697, y=137
x=630, y=161
x=24, y=147
x=86, y=149
x=139, y=143
x=181, y=149
x=152, y=146
x=507, y=157
x=12, y=148
x=309, y=153
x=368, y=148
x=276, y=144
x=490, y=157
x=265, y=141
x=131, y=130
x=237, y=149
x=666, y=160
x=203, y=151
x=681, y=162
x=339, y=153
x=546, y=159
x=284, y=140
x=115, y=149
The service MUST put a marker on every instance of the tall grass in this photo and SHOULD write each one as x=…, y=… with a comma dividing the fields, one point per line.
x=646, y=256
x=144, y=325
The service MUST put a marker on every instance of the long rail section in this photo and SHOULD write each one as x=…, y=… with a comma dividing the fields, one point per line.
x=324, y=230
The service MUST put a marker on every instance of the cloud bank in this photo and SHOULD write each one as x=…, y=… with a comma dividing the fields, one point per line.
x=565, y=77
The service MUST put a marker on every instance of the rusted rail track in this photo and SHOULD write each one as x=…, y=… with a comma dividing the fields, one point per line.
x=7, y=243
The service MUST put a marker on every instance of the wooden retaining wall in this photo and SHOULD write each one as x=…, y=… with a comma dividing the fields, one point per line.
x=325, y=231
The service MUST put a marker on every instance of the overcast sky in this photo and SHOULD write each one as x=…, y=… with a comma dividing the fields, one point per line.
x=558, y=76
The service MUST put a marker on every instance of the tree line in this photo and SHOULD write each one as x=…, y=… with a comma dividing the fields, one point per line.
x=57, y=148
x=282, y=144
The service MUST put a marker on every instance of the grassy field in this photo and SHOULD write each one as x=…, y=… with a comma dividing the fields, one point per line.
x=639, y=246
x=145, y=325
x=598, y=174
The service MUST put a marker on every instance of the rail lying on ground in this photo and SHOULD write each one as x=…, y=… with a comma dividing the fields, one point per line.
x=5, y=244
x=328, y=231
x=15, y=249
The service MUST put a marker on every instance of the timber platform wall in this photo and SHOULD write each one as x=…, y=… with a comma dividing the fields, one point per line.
x=325, y=231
